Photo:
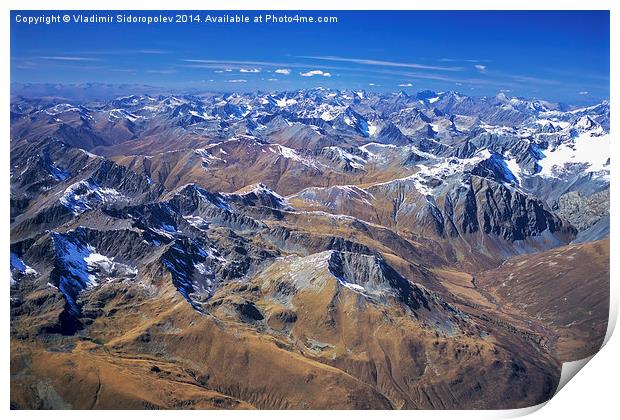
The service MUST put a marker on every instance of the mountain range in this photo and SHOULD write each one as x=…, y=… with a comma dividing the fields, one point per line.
x=304, y=249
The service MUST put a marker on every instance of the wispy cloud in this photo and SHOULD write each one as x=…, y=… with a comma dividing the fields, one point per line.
x=237, y=81
x=285, y=72
x=501, y=80
x=377, y=67
x=23, y=64
x=481, y=68
x=276, y=65
x=371, y=62
x=315, y=73
x=163, y=71
x=67, y=58
x=149, y=52
x=249, y=70
x=233, y=62
x=123, y=52
x=537, y=80
x=439, y=77
x=463, y=60
x=405, y=85
x=584, y=92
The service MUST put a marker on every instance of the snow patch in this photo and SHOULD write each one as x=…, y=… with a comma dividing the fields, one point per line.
x=291, y=154
x=515, y=169
x=373, y=129
x=20, y=266
x=587, y=149
x=82, y=267
x=118, y=114
x=197, y=222
x=82, y=195
x=353, y=160
x=208, y=158
x=285, y=102
x=439, y=170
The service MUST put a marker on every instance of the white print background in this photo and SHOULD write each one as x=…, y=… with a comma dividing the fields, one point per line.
x=593, y=394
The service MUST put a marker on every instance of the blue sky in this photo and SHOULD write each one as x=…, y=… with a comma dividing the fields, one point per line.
x=557, y=55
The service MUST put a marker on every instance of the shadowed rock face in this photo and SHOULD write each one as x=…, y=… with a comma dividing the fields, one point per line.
x=512, y=215
x=303, y=250
x=372, y=275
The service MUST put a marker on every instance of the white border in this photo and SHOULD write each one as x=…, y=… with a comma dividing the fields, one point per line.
x=592, y=394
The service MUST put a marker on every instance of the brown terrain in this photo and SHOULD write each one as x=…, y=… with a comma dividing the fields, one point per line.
x=230, y=253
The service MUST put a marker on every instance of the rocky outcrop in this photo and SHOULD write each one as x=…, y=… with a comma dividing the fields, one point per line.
x=583, y=212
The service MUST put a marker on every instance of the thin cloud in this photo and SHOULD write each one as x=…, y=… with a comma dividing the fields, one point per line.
x=67, y=58
x=431, y=76
x=315, y=73
x=24, y=65
x=219, y=64
x=233, y=62
x=463, y=60
x=529, y=79
x=405, y=85
x=278, y=68
x=149, y=52
x=371, y=62
x=249, y=70
x=122, y=52
x=584, y=92
x=237, y=81
x=481, y=68
x=501, y=80
x=170, y=71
